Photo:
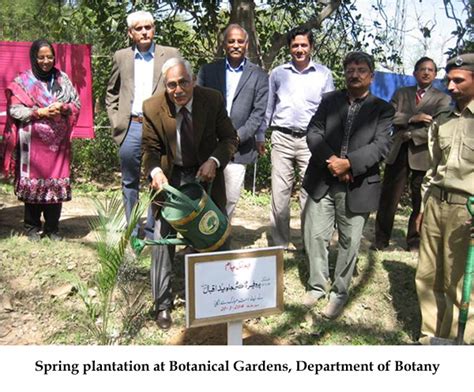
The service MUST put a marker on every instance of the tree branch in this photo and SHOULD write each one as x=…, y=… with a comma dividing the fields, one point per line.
x=279, y=39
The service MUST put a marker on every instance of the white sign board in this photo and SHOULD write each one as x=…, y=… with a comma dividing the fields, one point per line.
x=235, y=285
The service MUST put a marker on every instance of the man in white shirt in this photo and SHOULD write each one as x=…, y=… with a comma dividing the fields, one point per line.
x=295, y=91
x=135, y=76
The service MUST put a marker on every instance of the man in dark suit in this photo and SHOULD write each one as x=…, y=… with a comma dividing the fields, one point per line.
x=348, y=137
x=186, y=134
x=415, y=108
x=135, y=76
x=244, y=86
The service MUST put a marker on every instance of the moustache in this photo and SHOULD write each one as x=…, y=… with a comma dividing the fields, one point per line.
x=180, y=95
x=354, y=80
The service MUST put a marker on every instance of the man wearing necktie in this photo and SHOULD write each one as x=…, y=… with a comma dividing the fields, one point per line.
x=186, y=134
x=408, y=159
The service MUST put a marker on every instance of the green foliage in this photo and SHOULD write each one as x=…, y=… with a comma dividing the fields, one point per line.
x=96, y=158
x=195, y=28
x=113, y=237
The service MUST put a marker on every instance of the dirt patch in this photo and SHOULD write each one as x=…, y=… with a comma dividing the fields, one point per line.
x=36, y=307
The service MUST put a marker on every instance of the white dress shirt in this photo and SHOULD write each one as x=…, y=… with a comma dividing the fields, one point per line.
x=143, y=78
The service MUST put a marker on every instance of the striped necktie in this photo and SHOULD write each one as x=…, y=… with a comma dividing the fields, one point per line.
x=188, y=152
x=419, y=95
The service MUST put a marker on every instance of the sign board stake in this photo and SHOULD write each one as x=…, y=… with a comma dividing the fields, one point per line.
x=234, y=333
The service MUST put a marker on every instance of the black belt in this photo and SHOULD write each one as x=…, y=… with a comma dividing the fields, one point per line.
x=449, y=197
x=137, y=118
x=292, y=132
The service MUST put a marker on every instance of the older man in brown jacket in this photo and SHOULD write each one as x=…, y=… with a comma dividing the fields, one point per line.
x=186, y=134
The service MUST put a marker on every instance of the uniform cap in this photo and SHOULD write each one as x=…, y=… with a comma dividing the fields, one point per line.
x=463, y=61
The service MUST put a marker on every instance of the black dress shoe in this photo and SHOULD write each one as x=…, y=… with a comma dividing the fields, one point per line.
x=53, y=236
x=163, y=319
x=34, y=234
x=377, y=246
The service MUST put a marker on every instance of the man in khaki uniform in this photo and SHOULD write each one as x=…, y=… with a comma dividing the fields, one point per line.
x=445, y=220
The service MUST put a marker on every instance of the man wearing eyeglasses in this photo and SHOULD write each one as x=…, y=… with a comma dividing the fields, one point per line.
x=187, y=134
x=415, y=108
x=135, y=76
x=348, y=138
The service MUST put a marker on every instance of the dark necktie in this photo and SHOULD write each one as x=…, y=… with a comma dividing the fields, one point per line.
x=419, y=95
x=188, y=153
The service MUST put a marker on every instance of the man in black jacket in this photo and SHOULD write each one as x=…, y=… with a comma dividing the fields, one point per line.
x=348, y=137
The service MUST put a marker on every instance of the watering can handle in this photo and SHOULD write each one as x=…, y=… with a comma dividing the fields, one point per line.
x=200, y=181
x=169, y=189
x=470, y=206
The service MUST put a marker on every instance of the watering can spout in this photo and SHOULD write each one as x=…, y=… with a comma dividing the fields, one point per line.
x=192, y=213
x=137, y=245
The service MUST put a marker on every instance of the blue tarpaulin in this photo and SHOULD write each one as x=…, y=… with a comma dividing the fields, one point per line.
x=385, y=84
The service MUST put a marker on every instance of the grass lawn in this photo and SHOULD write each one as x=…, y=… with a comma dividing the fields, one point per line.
x=38, y=305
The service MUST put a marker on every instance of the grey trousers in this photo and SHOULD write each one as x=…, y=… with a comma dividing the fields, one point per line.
x=320, y=217
x=288, y=152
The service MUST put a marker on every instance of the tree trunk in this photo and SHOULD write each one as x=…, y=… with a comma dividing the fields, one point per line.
x=243, y=13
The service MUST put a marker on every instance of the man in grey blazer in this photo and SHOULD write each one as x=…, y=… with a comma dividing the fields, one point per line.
x=415, y=108
x=135, y=76
x=244, y=86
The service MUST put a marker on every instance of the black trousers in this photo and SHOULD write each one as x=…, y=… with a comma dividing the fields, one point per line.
x=163, y=255
x=51, y=214
x=395, y=179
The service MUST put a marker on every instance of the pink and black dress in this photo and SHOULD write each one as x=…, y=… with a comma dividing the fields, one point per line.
x=38, y=150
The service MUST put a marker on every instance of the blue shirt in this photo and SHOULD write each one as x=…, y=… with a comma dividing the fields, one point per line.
x=294, y=96
x=143, y=78
x=232, y=78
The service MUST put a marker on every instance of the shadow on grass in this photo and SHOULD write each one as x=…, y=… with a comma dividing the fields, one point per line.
x=243, y=237
x=403, y=292
x=364, y=276
x=217, y=335
x=323, y=331
x=11, y=222
x=295, y=315
x=299, y=260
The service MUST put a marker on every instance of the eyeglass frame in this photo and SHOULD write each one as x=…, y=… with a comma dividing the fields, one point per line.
x=183, y=83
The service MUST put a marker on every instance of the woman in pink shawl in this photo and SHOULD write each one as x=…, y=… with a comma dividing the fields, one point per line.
x=43, y=107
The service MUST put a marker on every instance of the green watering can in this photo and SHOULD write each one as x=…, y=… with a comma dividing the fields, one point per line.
x=193, y=214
